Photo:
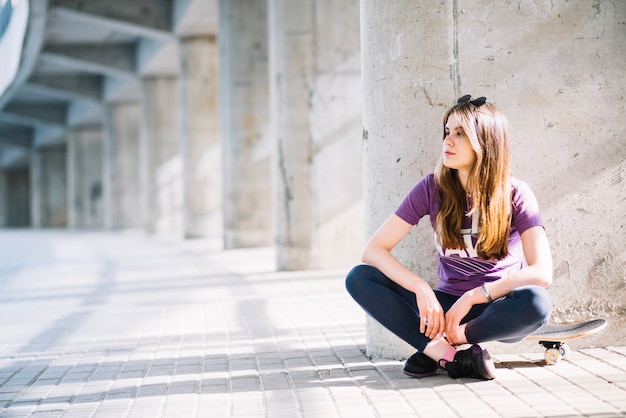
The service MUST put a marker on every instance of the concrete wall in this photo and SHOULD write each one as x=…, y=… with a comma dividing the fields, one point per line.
x=568, y=144
x=556, y=69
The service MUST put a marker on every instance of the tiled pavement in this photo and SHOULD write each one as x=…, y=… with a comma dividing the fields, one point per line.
x=96, y=324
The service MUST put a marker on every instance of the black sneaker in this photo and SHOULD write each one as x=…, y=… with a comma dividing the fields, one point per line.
x=420, y=365
x=473, y=362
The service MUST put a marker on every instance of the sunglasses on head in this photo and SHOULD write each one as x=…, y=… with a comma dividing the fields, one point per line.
x=468, y=99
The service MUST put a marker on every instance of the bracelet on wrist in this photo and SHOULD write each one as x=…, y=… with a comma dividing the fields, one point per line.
x=486, y=292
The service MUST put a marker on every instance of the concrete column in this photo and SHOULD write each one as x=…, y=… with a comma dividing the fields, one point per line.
x=3, y=200
x=122, y=166
x=84, y=175
x=405, y=92
x=316, y=124
x=244, y=125
x=161, y=158
x=201, y=149
x=34, y=164
x=567, y=143
x=15, y=197
x=418, y=58
x=49, y=187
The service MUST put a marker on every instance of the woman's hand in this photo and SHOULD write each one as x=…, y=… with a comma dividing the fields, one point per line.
x=432, y=318
x=455, y=334
x=377, y=253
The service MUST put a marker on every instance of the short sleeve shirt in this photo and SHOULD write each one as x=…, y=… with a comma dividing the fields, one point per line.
x=461, y=270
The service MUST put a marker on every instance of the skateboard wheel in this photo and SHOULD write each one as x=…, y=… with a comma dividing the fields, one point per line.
x=552, y=356
x=564, y=350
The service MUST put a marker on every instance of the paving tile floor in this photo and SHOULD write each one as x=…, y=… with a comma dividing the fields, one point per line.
x=120, y=324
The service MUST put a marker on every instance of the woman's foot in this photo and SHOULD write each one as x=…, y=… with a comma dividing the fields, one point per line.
x=473, y=362
x=420, y=365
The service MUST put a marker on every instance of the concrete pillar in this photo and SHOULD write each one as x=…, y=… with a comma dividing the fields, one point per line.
x=49, y=187
x=565, y=142
x=316, y=124
x=14, y=198
x=121, y=164
x=84, y=175
x=418, y=58
x=201, y=149
x=405, y=92
x=3, y=200
x=34, y=166
x=244, y=125
x=161, y=159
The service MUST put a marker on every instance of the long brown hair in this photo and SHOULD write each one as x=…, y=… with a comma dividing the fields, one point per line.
x=488, y=184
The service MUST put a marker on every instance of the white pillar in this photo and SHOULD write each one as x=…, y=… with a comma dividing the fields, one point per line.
x=407, y=49
x=122, y=166
x=35, y=188
x=4, y=201
x=201, y=148
x=316, y=126
x=49, y=187
x=162, y=160
x=84, y=175
x=244, y=125
x=15, y=197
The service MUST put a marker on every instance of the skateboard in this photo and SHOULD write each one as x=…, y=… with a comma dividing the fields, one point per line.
x=553, y=337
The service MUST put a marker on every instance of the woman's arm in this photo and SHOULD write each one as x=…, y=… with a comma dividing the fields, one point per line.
x=377, y=253
x=538, y=271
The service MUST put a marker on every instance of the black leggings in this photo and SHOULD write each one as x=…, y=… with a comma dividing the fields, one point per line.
x=509, y=319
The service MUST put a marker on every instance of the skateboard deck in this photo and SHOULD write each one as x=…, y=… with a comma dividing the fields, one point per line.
x=553, y=337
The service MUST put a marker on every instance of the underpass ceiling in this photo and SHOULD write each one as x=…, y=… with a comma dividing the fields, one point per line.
x=94, y=52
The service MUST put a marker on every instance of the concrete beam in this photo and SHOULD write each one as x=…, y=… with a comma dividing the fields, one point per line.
x=69, y=87
x=195, y=17
x=84, y=112
x=49, y=136
x=155, y=58
x=16, y=137
x=36, y=113
x=114, y=60
x=142, y=18
x=12, y=158
x=121, y=89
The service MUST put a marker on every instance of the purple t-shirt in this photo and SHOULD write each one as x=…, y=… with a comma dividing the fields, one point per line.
x=462, y=270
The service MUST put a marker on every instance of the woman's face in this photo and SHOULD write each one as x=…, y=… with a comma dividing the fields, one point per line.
x=457, y=149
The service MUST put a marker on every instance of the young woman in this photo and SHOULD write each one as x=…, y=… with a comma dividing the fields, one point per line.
x=494, y=257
